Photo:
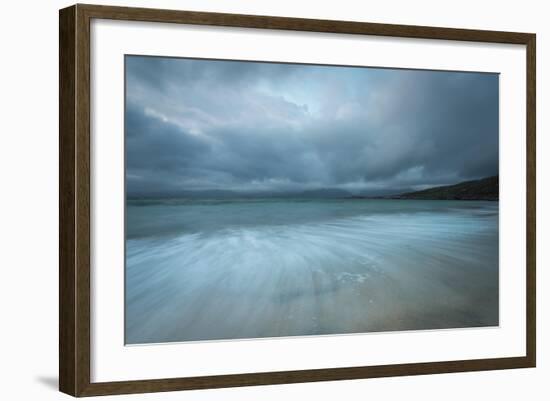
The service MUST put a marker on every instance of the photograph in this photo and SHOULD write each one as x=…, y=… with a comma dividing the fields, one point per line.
x=268, y=199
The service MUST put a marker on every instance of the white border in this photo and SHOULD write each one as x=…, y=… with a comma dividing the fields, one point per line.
x=112, y=361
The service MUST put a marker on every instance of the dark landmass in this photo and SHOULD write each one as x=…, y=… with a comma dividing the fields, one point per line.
x=484, y=189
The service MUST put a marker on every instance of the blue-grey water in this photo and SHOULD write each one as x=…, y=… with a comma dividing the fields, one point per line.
x=229, y=269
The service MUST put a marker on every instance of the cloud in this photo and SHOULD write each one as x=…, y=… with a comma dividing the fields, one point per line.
x=203, y=125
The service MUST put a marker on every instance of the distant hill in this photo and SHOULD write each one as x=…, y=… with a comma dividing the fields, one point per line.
x=484, y=189
x=321, y=193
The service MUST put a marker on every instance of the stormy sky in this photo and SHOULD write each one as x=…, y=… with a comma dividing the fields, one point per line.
x=195, y=125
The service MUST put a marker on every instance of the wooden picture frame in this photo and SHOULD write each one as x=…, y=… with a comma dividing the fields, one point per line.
x=74, y=200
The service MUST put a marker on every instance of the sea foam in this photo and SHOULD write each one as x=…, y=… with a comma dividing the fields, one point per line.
x=349, y=273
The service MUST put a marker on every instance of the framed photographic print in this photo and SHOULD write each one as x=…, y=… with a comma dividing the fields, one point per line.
x=250, y=200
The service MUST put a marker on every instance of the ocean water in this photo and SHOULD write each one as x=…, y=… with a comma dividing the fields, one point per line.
x=233, y=269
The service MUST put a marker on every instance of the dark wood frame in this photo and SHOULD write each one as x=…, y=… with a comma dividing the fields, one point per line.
x=74, y=199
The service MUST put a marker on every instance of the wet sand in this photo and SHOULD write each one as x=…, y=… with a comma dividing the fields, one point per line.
x=353, y=273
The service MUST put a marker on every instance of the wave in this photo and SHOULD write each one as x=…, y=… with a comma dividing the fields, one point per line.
x=348, y=275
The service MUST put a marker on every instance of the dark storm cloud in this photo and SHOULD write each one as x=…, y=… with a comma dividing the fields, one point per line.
x=202, y=125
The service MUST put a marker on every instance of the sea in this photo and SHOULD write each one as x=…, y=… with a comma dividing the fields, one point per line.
x=219, y=269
